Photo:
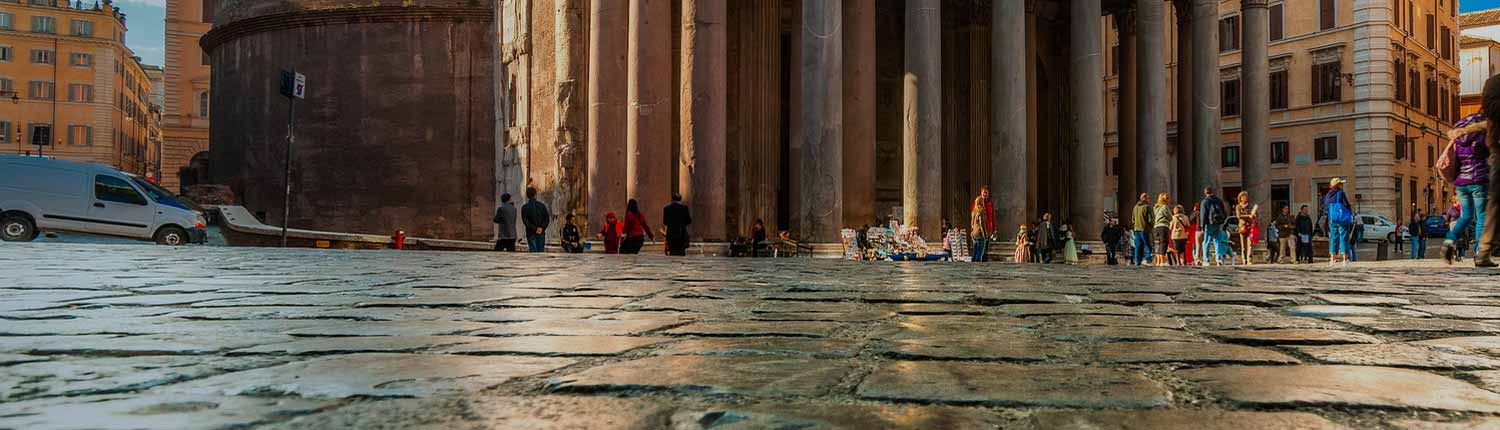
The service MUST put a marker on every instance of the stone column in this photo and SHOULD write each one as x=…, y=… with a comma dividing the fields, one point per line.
x=1255, y=150
x=705, y=57
x=1125, y=126
x=1205, y=70
x=1153, y=164
x=922, y=112
x=648, y=167
x=1009, y=169
x=1087, y=187
x=822, y=119
x=609, y=27
x=1184, y=80
x=859, y=113
x=570, y=113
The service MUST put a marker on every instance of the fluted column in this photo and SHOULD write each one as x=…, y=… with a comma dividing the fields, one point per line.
x=859, y=113
x=1125, y=126
x=1153, y=164
x=609, y=27
x=1184, y=80
x=1255, y=120
x=822, y=117
x=1205, y=70
x=1008, y=159
x=705, y=57
x=648, y=166
x=922, y=111
x=1087, y=194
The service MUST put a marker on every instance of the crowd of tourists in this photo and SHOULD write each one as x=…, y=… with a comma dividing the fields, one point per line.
x=619, y=236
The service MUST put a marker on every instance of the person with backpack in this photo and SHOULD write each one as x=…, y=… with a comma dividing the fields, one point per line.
x=1340, y=222
x=1471, y=173
x=1215, y=239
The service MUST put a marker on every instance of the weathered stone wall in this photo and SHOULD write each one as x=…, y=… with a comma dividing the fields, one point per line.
x=397, y=131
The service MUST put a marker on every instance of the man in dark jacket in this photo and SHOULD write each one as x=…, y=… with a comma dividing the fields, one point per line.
x=1213, y=216
x=676, y=217
x=572, y=239
x=1112, y=235
x=1286, y=228
x=1304, y=236
x=534, y=214
x=505, y=218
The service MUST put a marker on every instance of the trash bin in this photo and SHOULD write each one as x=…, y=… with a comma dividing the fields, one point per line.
x=1383, y=251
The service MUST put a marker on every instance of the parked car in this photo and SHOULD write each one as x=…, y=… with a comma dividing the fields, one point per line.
x=1380, y=228
x=40, y=194
x=1436, y=226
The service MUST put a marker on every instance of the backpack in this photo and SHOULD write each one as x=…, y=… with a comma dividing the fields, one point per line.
x=1338, y=210
x=1216, y=214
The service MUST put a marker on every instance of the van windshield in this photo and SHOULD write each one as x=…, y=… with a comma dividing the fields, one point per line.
x=157, y=193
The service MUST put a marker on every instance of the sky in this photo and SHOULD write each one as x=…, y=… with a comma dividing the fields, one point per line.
x=145, y=24
x=1473, y=5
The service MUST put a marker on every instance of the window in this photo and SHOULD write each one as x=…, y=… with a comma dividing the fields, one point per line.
x=1415, y=97
x=82, y=28
x=1280, y=152
x=41, y=90
x=208, y=10
x=43, y=24
x=83, y=59
x=80, y=93
x=5, y=54
x=1278, y=22
x=1114, y=59
x=1326, y=148
x=1400, y=24
x=1442, y=105
x=4, y=132
x=203, y=104
x=1431, y=32
x=1281, y=197
x=1411, y=150
x=1400, y=147
x=43, y=56
x=7, y=86
x=41, y=134
x=112, y=189
x=1400, y=72
x=7, y=21
x=1447, y=44
x=1430, y=158
x=1326, y=18
x=1432, y=97
x=1278, y=90
x=1229, y=33
x=1326, y=82
x=1229, y=156
x=81, y=135
x=1230, y=94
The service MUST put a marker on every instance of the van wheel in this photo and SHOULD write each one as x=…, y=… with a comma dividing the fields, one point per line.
x=1390, y=238
x=172, y=236
x=17, y=228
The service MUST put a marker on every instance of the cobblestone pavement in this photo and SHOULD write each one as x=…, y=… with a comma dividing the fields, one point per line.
x=163, y=338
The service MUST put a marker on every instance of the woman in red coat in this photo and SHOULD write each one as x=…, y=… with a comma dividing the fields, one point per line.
x=636, y=229
x=612, y=234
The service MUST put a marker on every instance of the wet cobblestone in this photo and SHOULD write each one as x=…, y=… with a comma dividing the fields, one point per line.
x=151, y=337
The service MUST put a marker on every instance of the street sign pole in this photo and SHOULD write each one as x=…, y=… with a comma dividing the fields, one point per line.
x=293, y=86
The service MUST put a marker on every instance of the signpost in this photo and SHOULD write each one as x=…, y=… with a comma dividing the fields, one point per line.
x=294, y=87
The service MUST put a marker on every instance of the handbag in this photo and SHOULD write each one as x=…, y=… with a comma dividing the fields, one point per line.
x=1447, y=164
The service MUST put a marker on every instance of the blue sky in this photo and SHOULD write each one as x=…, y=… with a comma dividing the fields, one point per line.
x=145, y=22
x=1473, y=5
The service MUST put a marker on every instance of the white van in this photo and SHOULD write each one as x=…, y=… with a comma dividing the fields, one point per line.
x=42, y=194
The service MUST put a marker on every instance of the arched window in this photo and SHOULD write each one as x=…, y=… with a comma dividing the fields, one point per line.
x=203, y=104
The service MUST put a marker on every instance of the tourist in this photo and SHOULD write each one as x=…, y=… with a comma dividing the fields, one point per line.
x=1286, y=229
x=1111, y=235
x=1357, y=236
x=1340, y=221
x=1032, y=253
x=1486, y=198
x=1417, y=228
x=636, y=229
x=572, y=240
x=505, y=218
x=1465, y=236
x=1140, y=223
x=1471, y=182
x=1273, y=243
x=1046, y=238
x=1179, y=232
x=676, y=217
x=1161, y=231
x=758, y=237
x=982, y=223
x=1213, y=219
x=1023, y=245
x=1194, y=234
x=612, y=234
x=1069, y=247
x=534, y=214
x=1304, y=231
x=1245, y=214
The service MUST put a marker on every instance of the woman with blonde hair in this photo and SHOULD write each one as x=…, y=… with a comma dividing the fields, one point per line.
x=1161, y=221
x=1023, y=245
x=1180, y=227
x=1245, y=214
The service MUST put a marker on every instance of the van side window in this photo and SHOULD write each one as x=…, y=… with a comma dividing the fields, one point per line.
x=112, y=189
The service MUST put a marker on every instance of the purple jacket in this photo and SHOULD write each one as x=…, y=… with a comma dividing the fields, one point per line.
x=1472, y=155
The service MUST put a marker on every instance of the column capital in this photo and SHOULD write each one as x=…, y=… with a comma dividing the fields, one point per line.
x=1124, y=20
x=1254, y=4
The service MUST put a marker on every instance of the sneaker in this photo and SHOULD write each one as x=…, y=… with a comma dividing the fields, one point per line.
x=1484, y=263
x=1449, y=253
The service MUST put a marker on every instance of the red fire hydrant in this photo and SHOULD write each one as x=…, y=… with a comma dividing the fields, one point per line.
x=400, y=239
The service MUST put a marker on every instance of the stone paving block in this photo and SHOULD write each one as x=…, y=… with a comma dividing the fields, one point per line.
x=1000, y=297
x=1341, y=386
x=88, y=312
x=313, y=300
x=913, y=297
x=711, y=375
x=1489, y=379
x=10, y=359
x=1252, y=299
x=391, y=328
x=1405, y=325
x=1294, y=337
x=784, y=346
x=690, y=305
x=489, y=412
x=857, y=316
x=1485, y=344
x=353, y=344
x=161, y=299
x=1242, y=322
x=157, y=344
x=1200, y=309
x=1012, y=385
x=1189, y=352
x=1117, y=321
x=153, y=411
x=1130, y=298
x=553, y=345
x=940, y=309
x=757, y=328
x=1330, y=311
x=374, y=375
x=1180, y=419
x=570, y=302
x=69, y=376
x=583, y=327
x=48, y=298
x=1460, y=311
x=1117, y=334
x=1025, y=310
x=1398, y=355
x=1359, y=300
x=832, y=416
x=1140, y=289
x=1473, y=423
x=974, y=348
x=922, y=326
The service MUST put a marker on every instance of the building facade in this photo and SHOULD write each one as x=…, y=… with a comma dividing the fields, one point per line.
x=69, y=83
x=185, y=106
x=1479, y=57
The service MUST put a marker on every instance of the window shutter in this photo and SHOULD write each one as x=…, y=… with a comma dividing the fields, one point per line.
x=1278, y=23
x=1325, y=15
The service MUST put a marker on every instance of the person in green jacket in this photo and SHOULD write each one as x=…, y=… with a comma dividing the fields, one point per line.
x=1140, y=224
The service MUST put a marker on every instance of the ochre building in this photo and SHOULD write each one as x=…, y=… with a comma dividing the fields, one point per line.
x=68, y=81
x=185, y=102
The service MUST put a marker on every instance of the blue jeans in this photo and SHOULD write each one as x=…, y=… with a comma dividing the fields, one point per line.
x=1471, y=200
x=1338, y=239
x=536, y=242
x=1417, y=248
x=1142, y=251
x=981, y=246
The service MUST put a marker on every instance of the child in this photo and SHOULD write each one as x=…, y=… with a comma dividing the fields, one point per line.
x=1023, y=245
x=613, y=232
